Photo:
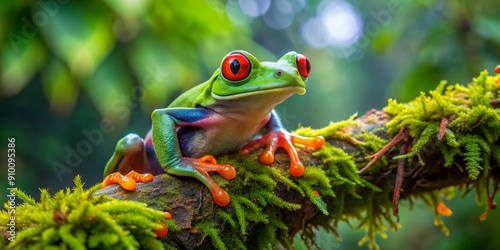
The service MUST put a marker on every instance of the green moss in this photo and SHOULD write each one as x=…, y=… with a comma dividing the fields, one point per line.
x=474, y=124
x=77, y=219
x=209, y=228
x=254, y=202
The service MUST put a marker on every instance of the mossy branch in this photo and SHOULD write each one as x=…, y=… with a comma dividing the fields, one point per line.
x=448, y=138
x=426, y=148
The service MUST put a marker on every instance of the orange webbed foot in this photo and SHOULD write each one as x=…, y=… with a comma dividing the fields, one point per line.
x=207, y=164
x=128, y=181
x=282, y=139
x=125, y=182
x=140, y=177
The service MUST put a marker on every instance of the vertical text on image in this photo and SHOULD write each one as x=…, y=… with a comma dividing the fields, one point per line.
x=11, y=177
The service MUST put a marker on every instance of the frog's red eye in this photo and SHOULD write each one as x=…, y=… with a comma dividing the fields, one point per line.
x=303, y=65
x=236, y=67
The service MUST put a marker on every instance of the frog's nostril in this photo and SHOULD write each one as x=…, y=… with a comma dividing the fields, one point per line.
x=279, y=73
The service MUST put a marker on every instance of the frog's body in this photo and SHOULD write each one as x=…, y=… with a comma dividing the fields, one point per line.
x=226, y=124
x=220, y=116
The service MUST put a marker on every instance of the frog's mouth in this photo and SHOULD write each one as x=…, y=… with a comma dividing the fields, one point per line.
x=297, y=89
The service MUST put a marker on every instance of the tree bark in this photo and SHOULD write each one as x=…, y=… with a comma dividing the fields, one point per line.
x=194, y=203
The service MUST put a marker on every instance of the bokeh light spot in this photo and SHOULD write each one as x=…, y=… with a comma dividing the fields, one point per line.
x=280, y=15
x=254, y=8
x=342, y=22
x=313, y=33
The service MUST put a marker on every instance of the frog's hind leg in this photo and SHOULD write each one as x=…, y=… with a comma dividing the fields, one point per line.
x=128, y=156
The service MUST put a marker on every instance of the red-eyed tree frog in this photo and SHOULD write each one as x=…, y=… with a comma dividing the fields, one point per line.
x=232, y=110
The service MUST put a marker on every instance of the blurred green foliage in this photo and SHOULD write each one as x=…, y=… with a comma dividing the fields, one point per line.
x=67, y=66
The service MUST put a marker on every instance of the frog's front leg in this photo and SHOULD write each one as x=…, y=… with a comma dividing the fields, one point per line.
x=168, y=152
x=279, y=137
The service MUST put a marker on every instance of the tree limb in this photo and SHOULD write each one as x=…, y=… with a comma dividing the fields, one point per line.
x=193, y=203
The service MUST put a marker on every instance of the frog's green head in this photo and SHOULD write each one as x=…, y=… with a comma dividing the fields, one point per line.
x=241, y=75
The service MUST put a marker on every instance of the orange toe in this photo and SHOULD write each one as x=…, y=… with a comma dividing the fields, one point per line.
x=318, y=142
x=128, y=183
x=148, y=177
x=168, y=215
x=228, y=172
x=162, y=232
x=125, y=182
x=221, y=197
x=267, y=158
x=313, y=142
x=111, y=179
x=296, y=169
x=140, y=177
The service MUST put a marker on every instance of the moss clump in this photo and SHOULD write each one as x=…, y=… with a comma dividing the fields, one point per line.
x=464, y=124
x=255, y=208
x=462, y=116
x=80, y=220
